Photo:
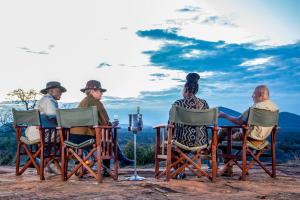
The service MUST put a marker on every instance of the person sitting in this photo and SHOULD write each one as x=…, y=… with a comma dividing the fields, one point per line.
x=258, y=134
x=47, y=106
x=191, y=136
x=94, y=92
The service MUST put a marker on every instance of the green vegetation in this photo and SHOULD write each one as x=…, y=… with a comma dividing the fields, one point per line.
x=145, y=153
x=8, y=147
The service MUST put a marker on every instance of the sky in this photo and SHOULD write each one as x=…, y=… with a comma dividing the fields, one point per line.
x=141, y=50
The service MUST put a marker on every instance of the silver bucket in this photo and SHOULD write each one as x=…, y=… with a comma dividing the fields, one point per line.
x=135, y=122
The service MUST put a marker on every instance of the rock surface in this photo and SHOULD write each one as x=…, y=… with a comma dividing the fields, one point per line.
x=258, y=186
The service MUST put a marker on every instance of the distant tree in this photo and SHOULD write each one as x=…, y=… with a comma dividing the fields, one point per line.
x=27, y=98
x=6, y=121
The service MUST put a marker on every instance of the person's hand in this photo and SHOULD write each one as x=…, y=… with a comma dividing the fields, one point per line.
x=221, y=114
x=115, y=123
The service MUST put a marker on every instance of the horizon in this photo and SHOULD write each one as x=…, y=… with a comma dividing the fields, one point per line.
x=150, y=118
x=141, y=51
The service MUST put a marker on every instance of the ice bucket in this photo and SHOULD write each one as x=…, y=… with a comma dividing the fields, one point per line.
x=135, y=122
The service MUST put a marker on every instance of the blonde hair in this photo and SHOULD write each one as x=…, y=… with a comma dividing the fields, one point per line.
x=88, y=92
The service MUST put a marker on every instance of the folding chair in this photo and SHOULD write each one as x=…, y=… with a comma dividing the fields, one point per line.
x=45, y=151
x=104, y=144
x=245, y=149
x=188, y=157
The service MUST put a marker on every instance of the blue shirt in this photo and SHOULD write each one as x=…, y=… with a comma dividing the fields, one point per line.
x=47, y=107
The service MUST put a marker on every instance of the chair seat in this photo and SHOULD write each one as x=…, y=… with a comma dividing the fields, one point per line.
x=184, y=147
x=81, y=145
x=29, y=142
x=239, y=145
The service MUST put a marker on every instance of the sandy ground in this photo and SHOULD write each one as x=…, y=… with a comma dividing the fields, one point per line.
x=258, y=186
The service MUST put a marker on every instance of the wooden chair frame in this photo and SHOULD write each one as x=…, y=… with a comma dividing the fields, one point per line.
x=105, y=146
x=247, y=152
x=36, y=150
x=164, y=151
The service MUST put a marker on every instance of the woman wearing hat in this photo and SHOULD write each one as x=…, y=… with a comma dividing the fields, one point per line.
x=94, y=92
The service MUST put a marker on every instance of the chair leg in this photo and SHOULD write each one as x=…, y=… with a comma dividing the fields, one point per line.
x=116, y=165
x=64, y=169
x=156, y=167
x=244, y=162
x=18, y=159
x=188, y=159
x=81, y=169
x=252, y=162
x=168, y=163
x=157, y=152
x=32, y=160
x=214, y=164
x=42, y=177
x=273, y=161
x=260, y=163
x=66, y=164
x=99, y=164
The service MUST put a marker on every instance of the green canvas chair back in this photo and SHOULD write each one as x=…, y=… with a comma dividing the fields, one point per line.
x=193, y=117
x=261, y=117
x=76, y=117
x=26, y=117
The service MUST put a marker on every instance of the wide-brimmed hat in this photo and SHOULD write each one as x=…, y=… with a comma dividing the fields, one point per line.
x=53, y=84
x=93, y=85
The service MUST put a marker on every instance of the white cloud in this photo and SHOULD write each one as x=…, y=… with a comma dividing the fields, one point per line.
x=258, y=63
x=195, y=53
x=78, y=35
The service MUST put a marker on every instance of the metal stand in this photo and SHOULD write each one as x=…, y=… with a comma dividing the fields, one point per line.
x=135, y=177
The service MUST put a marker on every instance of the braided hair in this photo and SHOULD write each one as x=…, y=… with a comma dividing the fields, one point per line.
x=191, y=84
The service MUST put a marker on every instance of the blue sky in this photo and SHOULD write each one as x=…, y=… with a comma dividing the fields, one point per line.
x=141, y=51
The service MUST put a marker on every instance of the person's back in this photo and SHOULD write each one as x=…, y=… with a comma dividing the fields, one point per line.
x=258, y=134
x=191, y=136
x=47, y=106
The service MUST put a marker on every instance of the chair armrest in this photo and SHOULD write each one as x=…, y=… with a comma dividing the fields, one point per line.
x=231, y=126
x=211, y=127
x=49, y=127
x=98, y=126
x=163, y=126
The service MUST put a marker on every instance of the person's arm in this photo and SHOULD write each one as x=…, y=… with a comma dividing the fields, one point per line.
x=102, y=114
x=236, y=120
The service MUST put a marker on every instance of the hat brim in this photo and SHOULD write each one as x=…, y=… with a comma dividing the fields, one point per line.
x=101, y=89
x=44, y=91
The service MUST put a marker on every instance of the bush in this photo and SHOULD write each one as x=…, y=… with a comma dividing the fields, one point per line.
x=145, y=153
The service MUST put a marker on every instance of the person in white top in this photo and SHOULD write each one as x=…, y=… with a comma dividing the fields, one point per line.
x=258, y=134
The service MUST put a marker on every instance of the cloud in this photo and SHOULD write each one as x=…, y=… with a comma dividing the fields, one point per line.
x=257, y=61
x=189, y=9
x=187, y=54
x=33, y=52
x=158, y=76
x=232, y=70
x=218, y=20
x=41, y=52
x=195, y=53
x=104, y=64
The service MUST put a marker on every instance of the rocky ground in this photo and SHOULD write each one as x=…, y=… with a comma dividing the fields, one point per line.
x=258, y=186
